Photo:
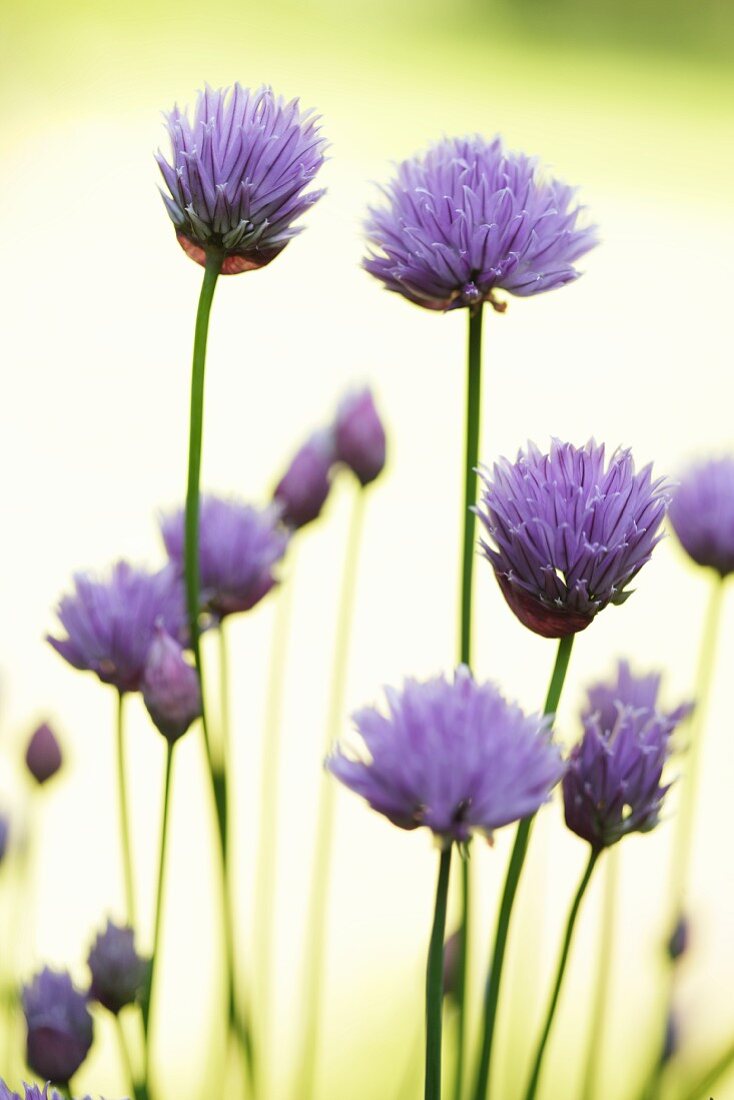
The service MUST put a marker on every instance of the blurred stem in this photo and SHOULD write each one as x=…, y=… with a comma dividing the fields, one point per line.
x=464, y=933
x=265, y=874
x=126, y=845
x=514, y=870
x=601, y=995
x=149, y=990
x=140, y=1091
x=434, y=981
x=573, y=914
x=719, y=1068
x=313, y=986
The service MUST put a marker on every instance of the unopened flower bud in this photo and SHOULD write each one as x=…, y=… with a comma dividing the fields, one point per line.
x=170, y=687
x=60, y=1029
x=360, y=436
x=303, y=489
x=118, y=972
x=679, y=940
x=4, y=835
x=43, y=755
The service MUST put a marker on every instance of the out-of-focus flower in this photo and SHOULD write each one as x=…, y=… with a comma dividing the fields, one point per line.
x=43, y=755
x=302, y=491
x=671, y=1043
x=238, y=547
x=170, y=687
x=468, y=218
x=568, y=532
x=702, y=513
x=60, y=1029
x=30, y=1092
x=239, y=173
x=360, y=436
x=118, y=972
x=110, y=622
x=4, y=835
x=453, y=755
x=451, y=962
x=613, y=786
x=679, y=940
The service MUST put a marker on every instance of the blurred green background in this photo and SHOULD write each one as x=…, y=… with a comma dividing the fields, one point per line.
x=632, y=101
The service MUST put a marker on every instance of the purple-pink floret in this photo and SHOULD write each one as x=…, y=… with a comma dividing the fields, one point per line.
x=567, y=531
x=469, y=217
x=702, y=513
x=239, y=174
x=453, y=755
x=110, y=622
x=613, y=785
x=239, y=547
x=60, y=1029
x=43, y=755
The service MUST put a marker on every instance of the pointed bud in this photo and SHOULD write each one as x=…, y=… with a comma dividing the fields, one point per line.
x=170, y=687
x=43, y=755
x=4, y=835
x=679, y=940
x=118, y=972
x=303, y=489
x=360, y=436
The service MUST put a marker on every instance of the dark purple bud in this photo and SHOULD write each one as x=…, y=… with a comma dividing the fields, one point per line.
x=43, y=755
x=118, y=972
x=4, y=838
x=679, y=941
x=303, y=489
x=170, y=687
x=360, y=436
x=451, y=964
x=60, y=1029
x=671, y=1042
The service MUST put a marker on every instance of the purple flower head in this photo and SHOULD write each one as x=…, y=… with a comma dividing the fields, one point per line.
x=360, y=436
x=43, y=755
x=170, y=687
x=702, y=513
x=238, y=547
x=239, y=174
x=110, y=622
x=118, y=972
x=4, y=835
x=568, y=532
x=613, y=783
x=60, y=1029
x=30, y=1092
x=302, y=491
x=453, y=755
x=467, y=218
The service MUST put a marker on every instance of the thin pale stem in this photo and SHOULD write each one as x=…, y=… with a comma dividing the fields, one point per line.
x=139, y=1091
x=512, y=880
x=703, y=1086
x=125, y=839
x=603, y=977
x=434, y=981
x=319, y=895
x=157, y=921
x=464, y=934
x=265, y=874
x=565, y=950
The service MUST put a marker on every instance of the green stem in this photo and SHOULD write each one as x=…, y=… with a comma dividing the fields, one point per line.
x=434, y=981
x=127, y=860
x=464, y=933
x=140, y=1091
x=149, y=990
x=512, y=879
x=473, y=407
x=265, y=873
x=601, y=995
x=719, y=1068
x=313, y=985
x=573, y=914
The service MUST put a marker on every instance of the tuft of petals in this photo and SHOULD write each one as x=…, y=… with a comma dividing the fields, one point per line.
x=567, y=532
x=118, y=972
x=469, y=217
x=60, y=1029
x=702, y=513
x=239, y=175
x=451, y=755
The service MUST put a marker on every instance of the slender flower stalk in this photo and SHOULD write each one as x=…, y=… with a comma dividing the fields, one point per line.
x=703, y=1085
x=318, y=899
x=434, y=981
x=139, y=1090
x=125, y=838
x=514, y=870
x=572, y=916
x=603, y=977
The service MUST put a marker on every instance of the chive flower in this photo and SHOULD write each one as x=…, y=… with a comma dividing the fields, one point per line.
x=239, y=547
x=118, y=972
x=613, y=785
x=468, y=218
x=360, y=436
x=4, y=835
x=43, y=755
x=567, y=531
x=304, y=488
x=170, y=687
x=110, y=621
x=239, y=174
x=702, y=513
x=451, y=755
x=60, y=1029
